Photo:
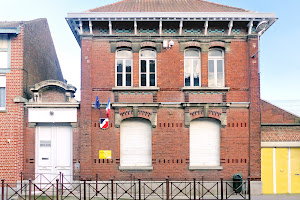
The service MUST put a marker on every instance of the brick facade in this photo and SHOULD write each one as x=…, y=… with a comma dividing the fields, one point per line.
x=169, y=106
x=24, y=70
x=278, y=125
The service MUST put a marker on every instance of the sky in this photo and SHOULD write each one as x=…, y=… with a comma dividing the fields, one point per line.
x=280, y=69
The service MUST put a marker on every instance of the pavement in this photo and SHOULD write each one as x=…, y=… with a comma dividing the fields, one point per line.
x=276, y=197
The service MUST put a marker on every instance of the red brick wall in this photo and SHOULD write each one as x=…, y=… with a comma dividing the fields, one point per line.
x=280, y=133
x=273, y=114
x=170, y=139
x=11, y=121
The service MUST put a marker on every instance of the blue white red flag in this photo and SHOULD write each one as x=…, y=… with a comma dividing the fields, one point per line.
x=108, y=108
x=104, y=123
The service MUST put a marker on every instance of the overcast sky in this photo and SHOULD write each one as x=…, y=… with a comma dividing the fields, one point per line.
x=280, y=68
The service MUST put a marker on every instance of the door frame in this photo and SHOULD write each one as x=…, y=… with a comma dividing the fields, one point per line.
x=53, y=125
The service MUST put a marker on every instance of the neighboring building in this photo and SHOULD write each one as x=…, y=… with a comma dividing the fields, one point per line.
x=27, y=56
x=280, y=156
x=183, y=80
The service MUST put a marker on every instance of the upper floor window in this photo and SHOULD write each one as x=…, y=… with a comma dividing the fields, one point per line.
x=4, y=51
x=216, y=68
x=147, y=67
x=124, y=67
x=2, y=92
x=191, y=67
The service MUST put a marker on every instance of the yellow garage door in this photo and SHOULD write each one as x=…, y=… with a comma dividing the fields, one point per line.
x=282, y=170
x=267, y=170
x=295, y=170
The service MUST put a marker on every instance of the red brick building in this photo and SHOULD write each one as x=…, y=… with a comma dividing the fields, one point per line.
x=27, y=56
x=280, y=156
x=184, y=84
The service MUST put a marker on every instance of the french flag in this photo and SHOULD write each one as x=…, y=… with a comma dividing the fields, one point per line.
x=108, y=108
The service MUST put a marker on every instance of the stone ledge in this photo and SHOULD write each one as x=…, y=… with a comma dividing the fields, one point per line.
x=199, y=88
x=205, y=167
x=135, y=89
x=136, y=168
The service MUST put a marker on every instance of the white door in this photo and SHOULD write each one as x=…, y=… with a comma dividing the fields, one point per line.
x=136, y=142
x=204, y=142
x=53, y=153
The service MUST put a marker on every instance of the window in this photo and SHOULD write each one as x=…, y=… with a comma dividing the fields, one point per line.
x=216, y=68
x=4, y=51
x=205, y=143
x=147, y=67
x=135, y=143
x=2, y=92
x=124, y=67
x=191, y=67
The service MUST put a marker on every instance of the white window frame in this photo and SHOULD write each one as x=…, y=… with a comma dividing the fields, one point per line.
x=7, y=50
x=147, y=68
x=3, y=85
x=124, y=59
x=192, y=70
x=215, y=59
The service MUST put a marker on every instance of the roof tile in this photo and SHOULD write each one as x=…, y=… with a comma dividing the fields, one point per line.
x=166, y=6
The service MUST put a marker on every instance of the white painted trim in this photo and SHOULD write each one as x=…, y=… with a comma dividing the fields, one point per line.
x=123, y=59
x=147, y=59
x=289, y=170
x=198, y=58
x=205, y=167
x=51, y=105
x=215, y=59
x=274, y=170
x=280, y=144
x=184, y=15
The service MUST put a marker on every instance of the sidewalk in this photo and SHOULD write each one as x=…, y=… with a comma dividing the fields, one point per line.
x=276, y=197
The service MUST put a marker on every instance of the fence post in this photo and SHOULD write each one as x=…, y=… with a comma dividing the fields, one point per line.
x=96, y=184
x=21, y=182
x=62, y=183
x=2, y=188
x=249, y=189
x=29, y=188
x=84, y=189
x=112, y=189
x=194, y=189
x=57, y=184
x=140, y=188
x=222, y=195
x=167, y=187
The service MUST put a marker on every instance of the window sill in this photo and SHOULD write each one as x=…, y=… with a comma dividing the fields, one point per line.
x=4, y=70
x=198, y=88
x=3, y=110
x=136, y=168
x=205, y=167
x=135, y=89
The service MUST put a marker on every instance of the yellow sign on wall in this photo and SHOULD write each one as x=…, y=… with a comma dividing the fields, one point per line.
x=104, y=154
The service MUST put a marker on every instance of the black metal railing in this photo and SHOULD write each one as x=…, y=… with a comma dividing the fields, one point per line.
x=142, y=189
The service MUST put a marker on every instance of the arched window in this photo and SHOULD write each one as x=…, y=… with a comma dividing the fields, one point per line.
x=124, y=67
x=216, y=68
x=135, y=143
x=148, y=67
x=192, y=67
x=204, y=143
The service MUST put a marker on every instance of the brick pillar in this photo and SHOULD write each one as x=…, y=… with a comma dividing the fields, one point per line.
x=86, y=109
x=254, y=110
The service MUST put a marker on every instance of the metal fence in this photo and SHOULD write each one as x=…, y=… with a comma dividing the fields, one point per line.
x=168, y=189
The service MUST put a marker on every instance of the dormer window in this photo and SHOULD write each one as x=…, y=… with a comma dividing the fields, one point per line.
x=216, y=68
x=124, y=67
x=192, y=67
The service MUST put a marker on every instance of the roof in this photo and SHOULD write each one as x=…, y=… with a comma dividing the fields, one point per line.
x=273, y=114
x=9, y=24
x=166, y=6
